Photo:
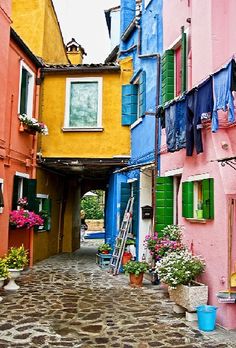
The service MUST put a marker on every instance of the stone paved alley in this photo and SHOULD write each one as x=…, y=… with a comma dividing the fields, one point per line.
x=68, y=301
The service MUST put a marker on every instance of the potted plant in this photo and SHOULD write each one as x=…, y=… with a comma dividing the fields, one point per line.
x=24, y=219
x=104, y=248
x=32, y=125
x=199, y=210
x=135, y=269
x=4, y=273
x=179, y=270
x=16, y=260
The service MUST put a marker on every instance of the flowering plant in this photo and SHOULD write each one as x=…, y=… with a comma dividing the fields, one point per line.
x=179, y=268
x=150, y=242
x=135, y=267
x=24, y=218
x=172, y=232
x=22, y=202
x=165, y=246
x=34, y=124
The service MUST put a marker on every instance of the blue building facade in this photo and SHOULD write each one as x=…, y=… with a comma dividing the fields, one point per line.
x=141, y=40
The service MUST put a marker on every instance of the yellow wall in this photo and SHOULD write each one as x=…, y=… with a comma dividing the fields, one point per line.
x=75, y=57
x=35, y=22
x=113, y=140
x=46, y=243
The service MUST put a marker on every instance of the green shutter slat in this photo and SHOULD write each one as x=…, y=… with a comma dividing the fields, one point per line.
x=135, y=185
x=167, y=75
x=187, y=199
x=164, y=203
x=208, y=198
x=29, y=191
x=15, y=192
x=183, y=62
x=36, y=210
x=129, y=104
x=142, y=93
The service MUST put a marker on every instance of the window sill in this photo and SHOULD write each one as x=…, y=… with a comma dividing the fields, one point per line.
x=69, y=129
x=139, y=120
x=195, y=220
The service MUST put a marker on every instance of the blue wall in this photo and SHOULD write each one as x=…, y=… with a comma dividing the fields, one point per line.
x=143, y=135
x=113, y=206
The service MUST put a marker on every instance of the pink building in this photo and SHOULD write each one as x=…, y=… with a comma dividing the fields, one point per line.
x=199, y=40
x=20, y=84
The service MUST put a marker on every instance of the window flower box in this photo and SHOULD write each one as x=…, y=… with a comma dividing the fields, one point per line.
x=32, y=125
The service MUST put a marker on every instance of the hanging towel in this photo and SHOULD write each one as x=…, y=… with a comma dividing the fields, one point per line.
x=223, y=98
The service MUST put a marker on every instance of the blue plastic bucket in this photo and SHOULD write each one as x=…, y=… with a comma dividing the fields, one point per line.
x=206, y=317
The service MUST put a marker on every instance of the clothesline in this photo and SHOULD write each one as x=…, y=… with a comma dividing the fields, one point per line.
x=183, y=95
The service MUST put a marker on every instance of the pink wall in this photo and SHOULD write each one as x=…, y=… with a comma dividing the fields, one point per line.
x=212, y=43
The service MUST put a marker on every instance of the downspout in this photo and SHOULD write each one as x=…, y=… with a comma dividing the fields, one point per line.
x=33, y=165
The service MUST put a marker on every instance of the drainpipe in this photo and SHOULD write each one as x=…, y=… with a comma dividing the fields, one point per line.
x=33, y=165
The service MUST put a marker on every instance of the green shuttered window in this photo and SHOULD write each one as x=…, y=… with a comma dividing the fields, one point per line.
x=23, y=187
x=164, y=203
x=167, y=76
x=190, y=198
x=129, y=104
x=183, y=63
x=43, y=208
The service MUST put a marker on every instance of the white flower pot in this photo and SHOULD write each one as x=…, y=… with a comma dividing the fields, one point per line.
x=189, y=297
x=2, y=282
x=14, y=274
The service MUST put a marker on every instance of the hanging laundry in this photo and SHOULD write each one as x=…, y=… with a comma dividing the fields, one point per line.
x=180, y=123
x=233, y=76
x=170, y=128
x=223, y=98
x=175, y=122
x=204, y=104
x=191, y=138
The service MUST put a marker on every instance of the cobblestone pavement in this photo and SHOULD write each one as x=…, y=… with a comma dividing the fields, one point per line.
x=68, y=301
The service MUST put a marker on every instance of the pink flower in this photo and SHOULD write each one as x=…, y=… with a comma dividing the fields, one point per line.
x=25, y=218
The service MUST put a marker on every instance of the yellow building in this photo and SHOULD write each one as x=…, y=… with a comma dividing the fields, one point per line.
x=86, y=143
x=35, y=21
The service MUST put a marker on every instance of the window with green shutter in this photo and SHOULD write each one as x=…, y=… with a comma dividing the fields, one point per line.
x=43, y=204
x=129, y=104
x=198, y=199
x=26, y=92
x=24, y=187
x=167, y=76
x=164, y=214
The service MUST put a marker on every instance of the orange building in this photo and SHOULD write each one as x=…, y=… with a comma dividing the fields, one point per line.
x=18, y=147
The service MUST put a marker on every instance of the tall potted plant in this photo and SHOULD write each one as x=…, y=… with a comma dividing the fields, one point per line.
x=16, y=260
x=135, y=269
x=179, y=270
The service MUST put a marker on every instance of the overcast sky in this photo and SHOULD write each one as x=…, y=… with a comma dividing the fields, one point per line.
x=85, y=21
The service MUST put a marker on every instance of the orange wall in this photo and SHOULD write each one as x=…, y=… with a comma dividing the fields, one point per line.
x=4, y=47
x=18, y=147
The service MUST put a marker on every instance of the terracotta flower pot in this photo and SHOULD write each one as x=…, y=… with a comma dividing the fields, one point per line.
x=126, y=258
x=136, y=281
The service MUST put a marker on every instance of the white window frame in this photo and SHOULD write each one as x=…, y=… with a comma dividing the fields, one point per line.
x=30, y=89
x=69, y=81
x=41, y=196
x=20, y=186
